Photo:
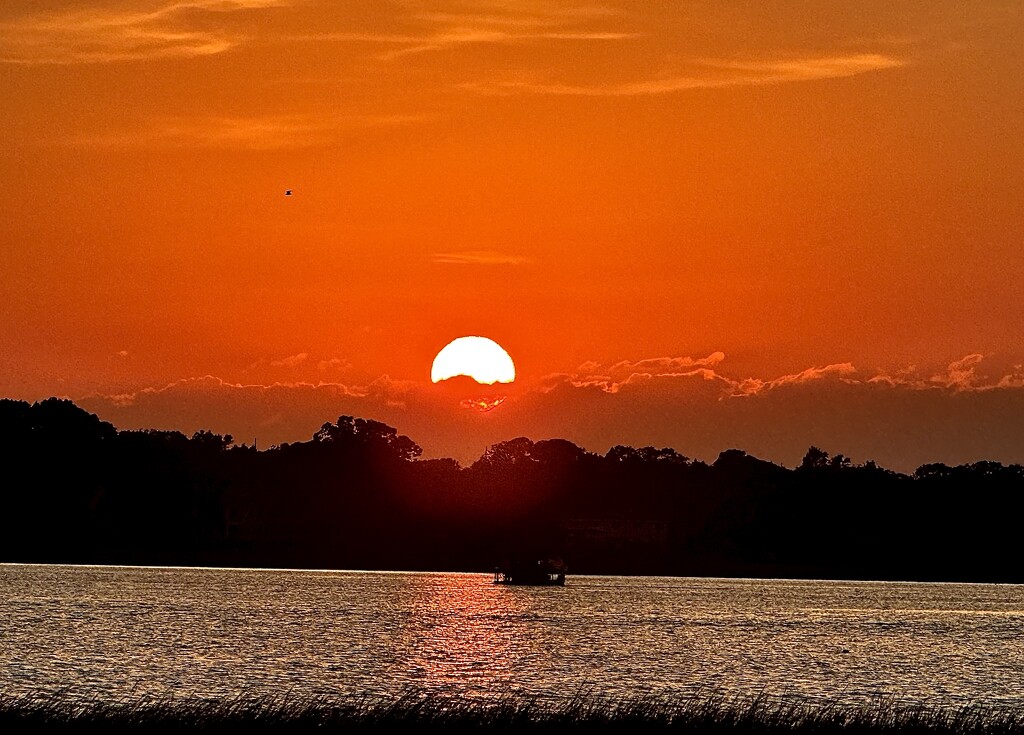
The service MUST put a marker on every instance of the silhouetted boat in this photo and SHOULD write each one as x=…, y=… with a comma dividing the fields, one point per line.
x=532, y=572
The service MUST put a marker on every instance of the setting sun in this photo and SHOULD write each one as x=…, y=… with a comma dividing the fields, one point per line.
x=479, y=358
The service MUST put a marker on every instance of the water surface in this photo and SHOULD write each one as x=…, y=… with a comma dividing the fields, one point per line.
x=116, y=632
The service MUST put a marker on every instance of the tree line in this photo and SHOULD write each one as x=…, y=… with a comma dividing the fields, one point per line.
x=359, y=495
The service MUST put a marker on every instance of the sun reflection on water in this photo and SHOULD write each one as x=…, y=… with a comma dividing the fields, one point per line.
x=464, y=638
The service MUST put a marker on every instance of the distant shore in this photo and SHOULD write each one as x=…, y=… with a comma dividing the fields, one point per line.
x=34, y=713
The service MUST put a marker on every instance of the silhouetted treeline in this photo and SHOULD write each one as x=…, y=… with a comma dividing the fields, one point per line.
x=358, y=495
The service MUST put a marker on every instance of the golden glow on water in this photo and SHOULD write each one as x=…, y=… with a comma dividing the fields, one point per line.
x=464, y=637
x=123, y=632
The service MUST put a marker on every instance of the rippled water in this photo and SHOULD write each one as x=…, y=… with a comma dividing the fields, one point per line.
x=116, y=632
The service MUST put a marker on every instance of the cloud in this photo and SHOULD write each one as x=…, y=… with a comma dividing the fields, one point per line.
x=808, y=68
x=692, y=404
x=478, y=257
x=504, y=24
x=960, y=373
x=1014, y=379
x=752, y=386
x=106, y=34
x=209, y=384
x=463, y=36
x=662, y=365
x=710, y=74
x=959, y=376
x=481, y=404
x=611, y=379
x=290, y=361
x=269, y=132
x=276, y=412
x=334, y=363
x=901, y=421
x=516, y=13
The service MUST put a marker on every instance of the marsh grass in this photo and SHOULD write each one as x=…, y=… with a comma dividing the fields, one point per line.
x=708, y=715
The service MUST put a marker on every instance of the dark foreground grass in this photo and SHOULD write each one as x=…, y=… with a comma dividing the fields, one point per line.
x=709, y=715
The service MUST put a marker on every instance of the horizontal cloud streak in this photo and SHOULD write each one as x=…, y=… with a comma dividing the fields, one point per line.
x=484, y=24
x=478, y=257
x=99, y=35
x=275, y=132
x=465, y=36
x=716, y=75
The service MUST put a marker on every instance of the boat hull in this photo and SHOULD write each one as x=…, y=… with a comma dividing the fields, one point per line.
x=558, y=581
x=536, y=573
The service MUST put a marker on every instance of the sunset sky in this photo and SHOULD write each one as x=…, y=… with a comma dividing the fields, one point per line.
x=705, y=225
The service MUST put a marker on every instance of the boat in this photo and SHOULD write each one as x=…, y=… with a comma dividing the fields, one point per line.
x=544, y=571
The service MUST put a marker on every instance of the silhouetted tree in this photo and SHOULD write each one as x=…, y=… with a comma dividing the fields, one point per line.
x=814, y=459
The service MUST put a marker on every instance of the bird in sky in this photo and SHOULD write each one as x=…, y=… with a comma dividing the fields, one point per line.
x=287, y=192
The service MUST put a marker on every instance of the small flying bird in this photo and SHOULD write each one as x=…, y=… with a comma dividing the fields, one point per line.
x=287, y=192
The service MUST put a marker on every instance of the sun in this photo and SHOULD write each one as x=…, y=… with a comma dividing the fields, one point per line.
x=479, y=358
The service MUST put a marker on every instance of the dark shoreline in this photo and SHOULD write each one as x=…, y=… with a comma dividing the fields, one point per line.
x=423, y=712
x=358, y=495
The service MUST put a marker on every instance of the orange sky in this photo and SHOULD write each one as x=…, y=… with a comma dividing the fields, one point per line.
x=697, y=224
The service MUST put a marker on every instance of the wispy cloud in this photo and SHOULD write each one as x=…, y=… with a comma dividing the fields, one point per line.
x=478, y=257
x=483, y=23
x=334, y=363
x=752, y=386
x=481, y=404
x=270, y=132
x=709, y=74
x=965, y=375
x=515, y=13
x=613, y=378
x=958, y=377
x=961, y=373
x=210, y=384
x=463, y=36
x=662, y=365
x=85, y=35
